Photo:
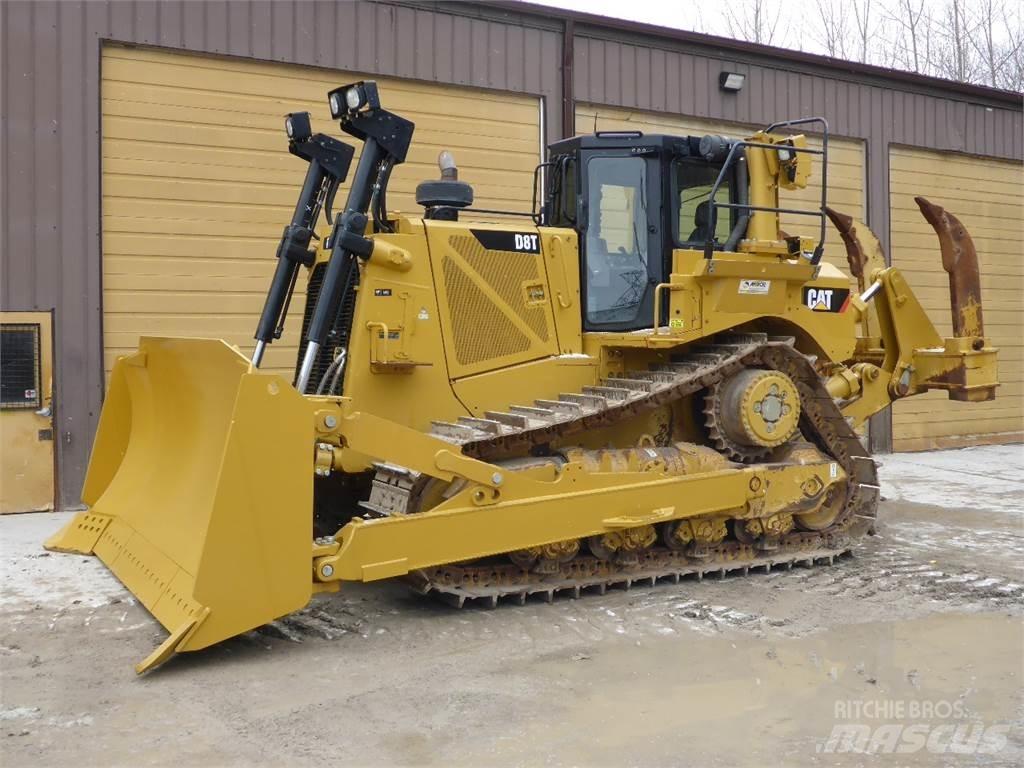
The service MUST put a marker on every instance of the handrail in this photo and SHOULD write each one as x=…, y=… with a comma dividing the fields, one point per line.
x=657, y=301
x=709, y=243
x=538, y=211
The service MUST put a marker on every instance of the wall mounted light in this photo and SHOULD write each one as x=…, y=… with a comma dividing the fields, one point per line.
x=731, y=81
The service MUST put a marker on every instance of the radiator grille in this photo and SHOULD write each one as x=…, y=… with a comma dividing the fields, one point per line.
x=479, y=329
x=507, y=272
x=20, y=366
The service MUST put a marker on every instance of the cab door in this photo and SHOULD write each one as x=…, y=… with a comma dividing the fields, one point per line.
x=26, y=412
x=622, y=243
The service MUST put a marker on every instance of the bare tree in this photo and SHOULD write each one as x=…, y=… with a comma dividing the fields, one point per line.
x=834, y=31
x=756, y=21
x=997, y=42
x=1013, y=72
x=974, y=41
x=910, y=45
x=864, y=26
x=954, y=55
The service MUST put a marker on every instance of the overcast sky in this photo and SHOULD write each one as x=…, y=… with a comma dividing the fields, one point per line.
x=708, y=16
x=698, y=15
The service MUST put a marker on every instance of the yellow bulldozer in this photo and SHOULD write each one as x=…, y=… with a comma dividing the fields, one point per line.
x=644, y=378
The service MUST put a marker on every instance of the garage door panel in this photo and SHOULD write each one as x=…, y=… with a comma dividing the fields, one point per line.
x=986, y=196
x=219, y=82
x=474, y=125
x=145, y=245
x=935, y=405
x=994, y=285
x=1000, y=213
x=197, y=190
x=174, y=226
x=210, y=138
x=139, y=178
x=185, y=127
x=198, y=183
x=956, y=167
x=132, y=287
x=1009, y=272
x=991, y=194
x=911, y=231
x=141, y=196
x=167, y=301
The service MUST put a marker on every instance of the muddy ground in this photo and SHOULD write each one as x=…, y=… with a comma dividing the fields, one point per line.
x=917, y=641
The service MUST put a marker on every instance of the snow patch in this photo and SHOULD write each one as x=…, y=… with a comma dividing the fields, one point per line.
x=989, y=477
x=30, y=576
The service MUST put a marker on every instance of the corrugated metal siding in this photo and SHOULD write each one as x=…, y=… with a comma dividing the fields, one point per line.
x=198, y=183
x=50, y=72
x=50, y=152
x=986, y=195
x=620, y=73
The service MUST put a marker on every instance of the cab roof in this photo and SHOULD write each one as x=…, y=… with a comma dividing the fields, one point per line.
x=676, y=145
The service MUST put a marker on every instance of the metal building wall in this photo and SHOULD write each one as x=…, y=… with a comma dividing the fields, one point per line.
x=655, y=76
x=50, y=101
x=50, y=149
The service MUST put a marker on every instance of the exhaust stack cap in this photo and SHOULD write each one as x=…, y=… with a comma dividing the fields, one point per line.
x=443, y=198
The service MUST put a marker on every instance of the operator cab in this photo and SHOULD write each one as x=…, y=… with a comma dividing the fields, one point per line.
x=633, y=199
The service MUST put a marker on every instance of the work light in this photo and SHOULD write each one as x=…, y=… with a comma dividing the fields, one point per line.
x=353, y=98
x=297, y=126
x=731, y=81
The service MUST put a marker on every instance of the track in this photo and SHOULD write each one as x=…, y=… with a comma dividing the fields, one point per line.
x=526, y=428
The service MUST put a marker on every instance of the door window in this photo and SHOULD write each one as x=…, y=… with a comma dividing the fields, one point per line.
x=617, y=239
x=694, y=180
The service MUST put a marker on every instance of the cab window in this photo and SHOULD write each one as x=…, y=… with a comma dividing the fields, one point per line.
x=693, y=181
x=617, y=239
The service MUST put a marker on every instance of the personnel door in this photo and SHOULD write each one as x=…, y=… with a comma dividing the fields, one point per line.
x=26, y=404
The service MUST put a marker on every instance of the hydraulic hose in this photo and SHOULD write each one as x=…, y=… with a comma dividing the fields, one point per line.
x=743, y=198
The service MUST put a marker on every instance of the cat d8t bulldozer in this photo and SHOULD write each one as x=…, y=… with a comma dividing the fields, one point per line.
x=643, y=378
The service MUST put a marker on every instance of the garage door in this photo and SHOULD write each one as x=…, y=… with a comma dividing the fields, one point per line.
x=986, y=196
x=845, y=173
x=198, y=182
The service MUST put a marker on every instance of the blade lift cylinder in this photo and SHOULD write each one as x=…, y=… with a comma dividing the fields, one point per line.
x=386, y=138
x=329, y=161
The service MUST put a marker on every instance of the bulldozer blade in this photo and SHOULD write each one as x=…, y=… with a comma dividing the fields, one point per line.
x=960, y=260
x=200, y=491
